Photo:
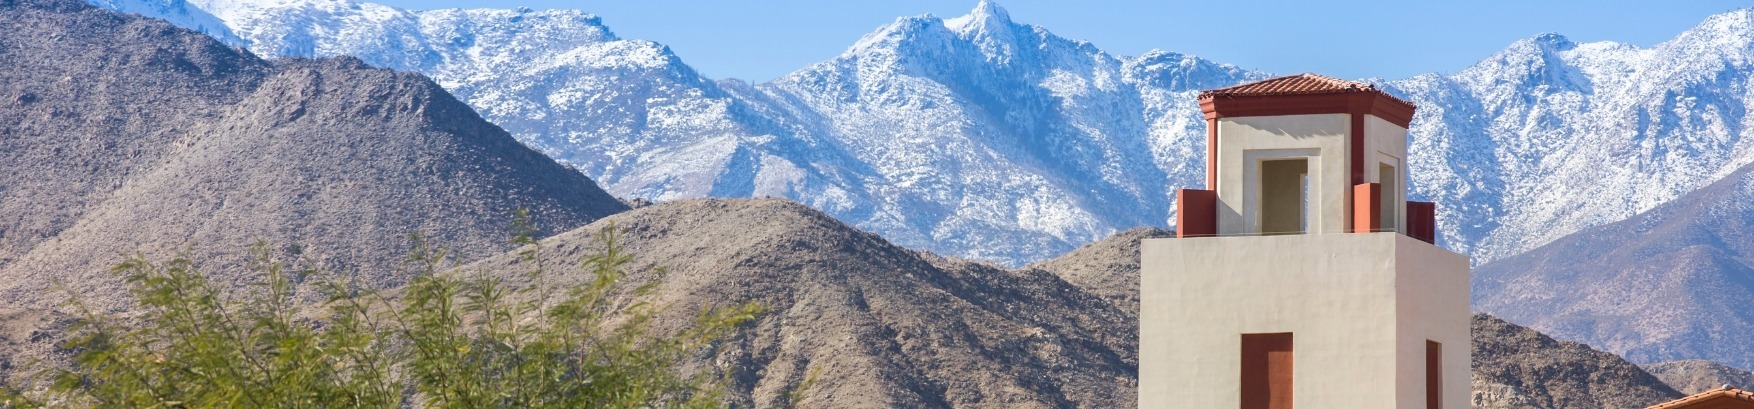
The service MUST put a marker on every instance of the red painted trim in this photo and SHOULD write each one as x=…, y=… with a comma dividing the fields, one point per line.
x=1433, y=375
x=1366, y=208
x=1196, y=213
x=1212, y=153
x=1369, y=102
x=1357, y=148
x=1422, y=221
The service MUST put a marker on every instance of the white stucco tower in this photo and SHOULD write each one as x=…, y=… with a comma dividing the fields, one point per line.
x=1301, y=277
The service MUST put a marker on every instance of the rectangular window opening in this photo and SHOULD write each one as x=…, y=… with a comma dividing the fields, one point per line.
x=1391, y=190
x=1433, y=375
x=1284, y=196
x=1266, y=371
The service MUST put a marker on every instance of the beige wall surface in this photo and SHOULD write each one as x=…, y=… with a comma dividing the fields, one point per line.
x=1432, y=304
x=1360, y=307
x=1246, y=141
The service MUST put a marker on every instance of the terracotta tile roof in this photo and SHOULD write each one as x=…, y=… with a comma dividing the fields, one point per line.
x=1300, y=84
x=1725, y=397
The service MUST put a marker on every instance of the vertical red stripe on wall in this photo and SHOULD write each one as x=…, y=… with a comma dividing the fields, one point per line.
x=1357, y=148
x=1366, y=207
x=1433, y=375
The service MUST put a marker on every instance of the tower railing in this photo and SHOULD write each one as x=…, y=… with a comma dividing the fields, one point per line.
x=1196, y=215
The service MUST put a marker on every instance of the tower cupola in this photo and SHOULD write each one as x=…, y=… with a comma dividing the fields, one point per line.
x=1303, y=154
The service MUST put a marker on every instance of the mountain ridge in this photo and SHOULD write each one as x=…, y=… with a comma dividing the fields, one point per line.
x=1670, y=283
x=1099, y=136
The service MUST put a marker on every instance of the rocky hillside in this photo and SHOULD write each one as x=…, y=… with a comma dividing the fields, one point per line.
x=1107, y=268
x=1672, y=283
x=1695, y=376
x=887, y=326
x=126, y=134
x=1516, y=367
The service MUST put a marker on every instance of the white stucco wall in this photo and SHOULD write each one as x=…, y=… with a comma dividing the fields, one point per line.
x=1432, y=304
x=1359, y=306
x=1246, y=141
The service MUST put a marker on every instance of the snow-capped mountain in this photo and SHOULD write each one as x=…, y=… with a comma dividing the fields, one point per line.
x=974, y=136
x=982, y=137
x=1549, y=137
x=1003, y=139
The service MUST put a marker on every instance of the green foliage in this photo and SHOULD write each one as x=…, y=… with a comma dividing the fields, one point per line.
x=448, y=339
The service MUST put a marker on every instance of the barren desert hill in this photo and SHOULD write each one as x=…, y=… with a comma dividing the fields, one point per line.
x=887, y=326
x=1697, y=375
x=1668, y=284
x=1108, y=268
x=125, y=134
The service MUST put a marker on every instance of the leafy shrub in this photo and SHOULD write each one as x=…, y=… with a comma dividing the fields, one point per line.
x=447, y=339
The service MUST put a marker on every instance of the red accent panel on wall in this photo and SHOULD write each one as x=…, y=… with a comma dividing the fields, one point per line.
x=1433, y=375
x=1196, y=213
x=1357, y=151
x=1266, y=371
x=1366, y=208
x=1422, y=221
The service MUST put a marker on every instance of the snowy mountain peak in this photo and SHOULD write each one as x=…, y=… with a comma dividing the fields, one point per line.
x=987, y=16
x=1553, y=41
x=990, y=28
x=1728, y=31
x=1737, y=20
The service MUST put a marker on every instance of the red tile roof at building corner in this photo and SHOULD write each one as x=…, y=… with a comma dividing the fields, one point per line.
x=1723, y=397
x=1300, y=84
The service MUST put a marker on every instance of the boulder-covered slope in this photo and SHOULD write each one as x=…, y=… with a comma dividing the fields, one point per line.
x=1516, y=367
x=1695, y=375
x=886, y=326
x=1107, y=268
x=121, y=134
x=1671, y=283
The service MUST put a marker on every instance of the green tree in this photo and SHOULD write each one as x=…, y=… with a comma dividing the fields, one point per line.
x=448, y=339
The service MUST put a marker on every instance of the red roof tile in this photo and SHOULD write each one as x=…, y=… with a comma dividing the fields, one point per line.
x=1301, y=84
x=1725, y=397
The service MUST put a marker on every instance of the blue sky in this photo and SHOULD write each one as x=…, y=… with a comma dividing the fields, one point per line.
x=760, y=40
